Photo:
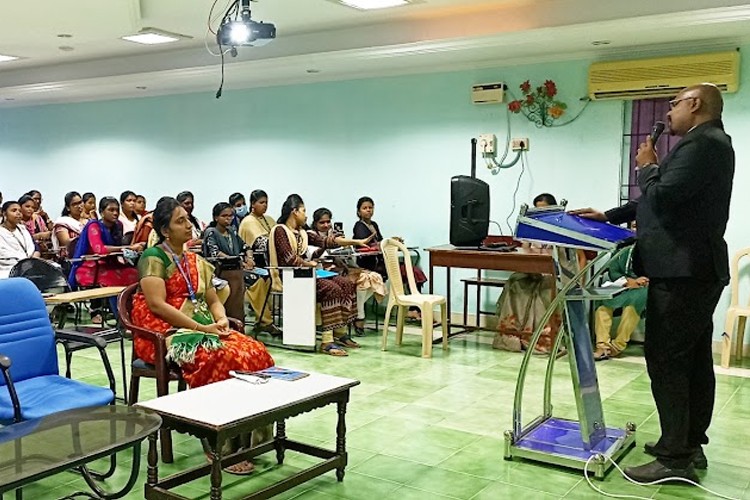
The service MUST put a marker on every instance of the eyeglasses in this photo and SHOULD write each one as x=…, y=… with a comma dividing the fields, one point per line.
x=675, y=102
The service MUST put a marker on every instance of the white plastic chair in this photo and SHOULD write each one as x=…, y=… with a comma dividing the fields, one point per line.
x=735, y=312
x=398, y=298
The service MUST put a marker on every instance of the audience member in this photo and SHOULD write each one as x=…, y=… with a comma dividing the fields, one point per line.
x=237, y=202
x=336, y=295
x=632, y=301
x=365, y=227
x=255, y=229
x=187, y=200
x=128, y=216
x=226, y=249
x=69, y=225
x=522, y=304
x=101, y=237
x=368, y=282
x=176, y=293
x=89, y=206
x=35, y=223
x=140, y=205
x=39, y=211
x=16, y=242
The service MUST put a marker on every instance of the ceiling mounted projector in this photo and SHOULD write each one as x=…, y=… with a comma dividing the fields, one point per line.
x=237, y=29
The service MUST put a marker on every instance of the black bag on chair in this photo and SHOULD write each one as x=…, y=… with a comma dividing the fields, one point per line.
x=46, y=276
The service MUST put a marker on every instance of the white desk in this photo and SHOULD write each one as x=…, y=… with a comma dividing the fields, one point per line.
x=220, y=411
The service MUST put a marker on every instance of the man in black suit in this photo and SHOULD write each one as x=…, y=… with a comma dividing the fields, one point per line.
x=682, y=215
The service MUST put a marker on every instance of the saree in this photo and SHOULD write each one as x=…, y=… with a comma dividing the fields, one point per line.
x=255, y=231
x=109, y=271
x=208, y=365
x=69, y=224
x=336, y=296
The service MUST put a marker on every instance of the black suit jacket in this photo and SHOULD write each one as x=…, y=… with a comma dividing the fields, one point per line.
x=684, y=207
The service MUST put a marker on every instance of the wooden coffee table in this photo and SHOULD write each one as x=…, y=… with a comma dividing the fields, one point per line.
x=221, y=411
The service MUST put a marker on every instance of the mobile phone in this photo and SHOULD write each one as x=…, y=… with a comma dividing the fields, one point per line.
x=338, y=227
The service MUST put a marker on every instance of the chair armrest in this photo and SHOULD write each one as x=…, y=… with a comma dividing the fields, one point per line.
x=5, y=363
x=94, y=341
x=83, y=338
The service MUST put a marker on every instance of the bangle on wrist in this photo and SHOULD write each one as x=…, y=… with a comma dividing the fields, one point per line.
x=197, y=326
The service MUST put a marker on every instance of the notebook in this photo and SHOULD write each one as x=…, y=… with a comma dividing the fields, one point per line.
x=280, y=373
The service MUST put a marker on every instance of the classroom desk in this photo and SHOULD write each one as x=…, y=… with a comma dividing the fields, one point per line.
x=521, y=260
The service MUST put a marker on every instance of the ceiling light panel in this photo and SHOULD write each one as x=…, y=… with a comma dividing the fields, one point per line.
x=7, y=58
x=373, y=4
x=150, y=36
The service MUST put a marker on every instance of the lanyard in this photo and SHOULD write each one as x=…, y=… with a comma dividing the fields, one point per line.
x=185, y=272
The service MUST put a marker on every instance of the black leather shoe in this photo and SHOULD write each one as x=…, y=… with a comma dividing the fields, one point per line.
x=654, y=471
x=699, y=459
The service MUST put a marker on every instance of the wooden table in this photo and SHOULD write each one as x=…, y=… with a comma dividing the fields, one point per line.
x=83, y=295
x=520, y=260
x=218, y=412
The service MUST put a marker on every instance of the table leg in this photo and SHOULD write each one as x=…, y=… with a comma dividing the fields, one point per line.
x=448, y=296
x=280, y=439
x=341, y=438
x=153, y=460
x=215, y=451
x=432, y=280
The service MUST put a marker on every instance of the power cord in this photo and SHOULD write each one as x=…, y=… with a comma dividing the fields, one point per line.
x=652, y=483
x=499, y=227
x=515, y=191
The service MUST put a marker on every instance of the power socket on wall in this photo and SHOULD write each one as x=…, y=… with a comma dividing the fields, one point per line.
x=487, y=144
x=519, y=144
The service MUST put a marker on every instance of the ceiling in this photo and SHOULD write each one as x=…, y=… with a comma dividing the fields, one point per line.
x=321, y=40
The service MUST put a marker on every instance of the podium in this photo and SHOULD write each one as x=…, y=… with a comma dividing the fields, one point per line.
x=587, y=442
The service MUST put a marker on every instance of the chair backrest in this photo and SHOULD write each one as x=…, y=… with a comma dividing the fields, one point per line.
x=47, y=277
x=125, y=305
x=391, y=248
x=734, y=273
x=26, y=334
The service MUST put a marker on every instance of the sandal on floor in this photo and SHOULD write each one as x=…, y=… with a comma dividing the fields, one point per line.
x=359, y=329
x=347, y=341
x=243, y=468
x=333, y=349
x=601, y=354
x=414, y=316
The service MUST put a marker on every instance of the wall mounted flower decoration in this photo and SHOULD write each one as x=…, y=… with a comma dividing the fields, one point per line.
x=539, y=104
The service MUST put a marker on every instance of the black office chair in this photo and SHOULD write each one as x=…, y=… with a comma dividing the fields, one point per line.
x=47, y=277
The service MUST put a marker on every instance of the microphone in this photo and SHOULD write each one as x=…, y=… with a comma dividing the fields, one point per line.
x=656, y=131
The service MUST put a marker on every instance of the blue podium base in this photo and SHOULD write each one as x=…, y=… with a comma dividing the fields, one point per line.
x=558, y=441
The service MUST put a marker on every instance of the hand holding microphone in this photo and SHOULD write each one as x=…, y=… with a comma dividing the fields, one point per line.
x=646, y=151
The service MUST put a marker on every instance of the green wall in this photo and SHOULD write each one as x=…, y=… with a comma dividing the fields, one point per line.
x=398, y=140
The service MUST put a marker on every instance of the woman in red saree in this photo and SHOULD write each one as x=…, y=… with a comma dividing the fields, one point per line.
x=176, y=297
x=176, y=294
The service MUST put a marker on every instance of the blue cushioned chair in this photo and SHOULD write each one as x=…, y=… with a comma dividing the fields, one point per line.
x=31, y=386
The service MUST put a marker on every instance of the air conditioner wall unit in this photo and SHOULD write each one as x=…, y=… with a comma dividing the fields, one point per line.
x=663, y=77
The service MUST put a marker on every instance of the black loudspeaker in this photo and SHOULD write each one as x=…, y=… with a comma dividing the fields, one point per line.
x=470, y=211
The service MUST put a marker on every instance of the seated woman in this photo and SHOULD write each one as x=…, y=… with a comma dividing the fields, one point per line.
x=89, y=206
x=16, y=243
x=176, y=298
x=140, y=205
x=238, y=203
x=35, y=222
x=255, y=229
x=102, y=237
x=221, y=242
x=368, y=282
x=128, y=217
x=69, y=225
x=187, y=200
x=632, y=301
x=336, y=295
x=522, y=303
x=365, y=227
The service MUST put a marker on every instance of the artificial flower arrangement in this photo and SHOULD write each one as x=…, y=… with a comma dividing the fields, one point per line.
x=539, y=104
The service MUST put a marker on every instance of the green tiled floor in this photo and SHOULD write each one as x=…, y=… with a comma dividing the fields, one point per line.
x=433, y=429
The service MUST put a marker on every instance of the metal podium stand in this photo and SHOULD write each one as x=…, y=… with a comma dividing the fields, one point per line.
x=547, y=438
